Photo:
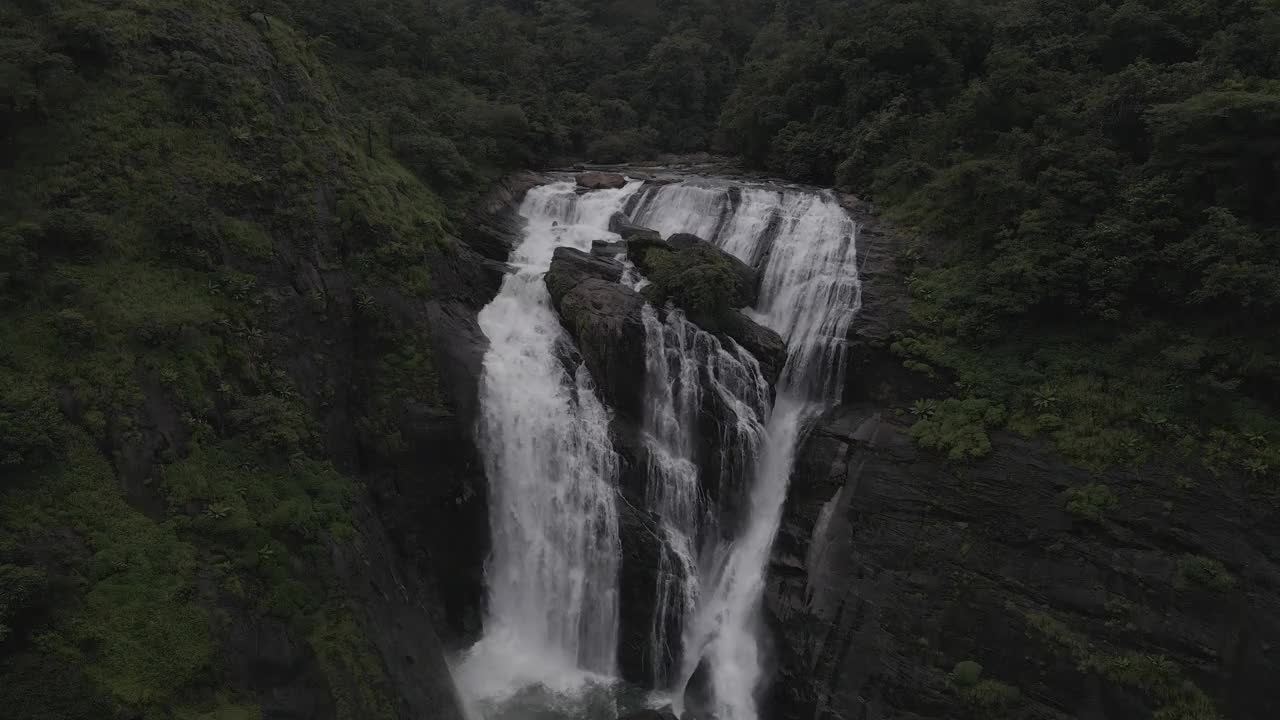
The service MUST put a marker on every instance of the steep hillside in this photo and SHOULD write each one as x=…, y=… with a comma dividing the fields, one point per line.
x=215, y=299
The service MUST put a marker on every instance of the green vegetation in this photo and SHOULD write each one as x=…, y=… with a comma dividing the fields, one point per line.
x=1094, y=185
x=966, y=674
x=1205, y=573
x=985, y=698
x=697, y=278
x=462, y=90
x=1090, y=502
x=163, y=476
x=956, y=427
x=198, y=193
x=991, y=698
x=1175, y=697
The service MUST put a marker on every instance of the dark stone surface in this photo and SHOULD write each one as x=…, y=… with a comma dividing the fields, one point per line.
x=570, y=267
x=922, y=565
x=607, y=249
x=493, y=226
x=622, y=225
x=637, y=583
x=604, y=320
x=765, y=344
x=396, y=612
x=601, y=180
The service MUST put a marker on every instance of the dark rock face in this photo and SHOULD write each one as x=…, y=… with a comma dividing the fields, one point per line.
x=604, y=320
x=571, y=267
x=873, y=373
x=621, y=224
x=641, y=557
x=494, y=225
x=395, y=608
x=601, y=181
x=765, y=344
x=606, y=249
x=891, y=567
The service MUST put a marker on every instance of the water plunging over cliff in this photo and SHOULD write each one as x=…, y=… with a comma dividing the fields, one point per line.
x=552, y=619
x=687, y=368
x=716, y=444
x=809, y=294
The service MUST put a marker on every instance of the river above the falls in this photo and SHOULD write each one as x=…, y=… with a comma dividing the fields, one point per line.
x=551, y=636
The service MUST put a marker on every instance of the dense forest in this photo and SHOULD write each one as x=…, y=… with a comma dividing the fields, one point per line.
x=1092, y=189
x=1096, y=187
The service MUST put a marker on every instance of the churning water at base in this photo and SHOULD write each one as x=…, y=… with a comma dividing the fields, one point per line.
x=809, y=294
x=552, y=623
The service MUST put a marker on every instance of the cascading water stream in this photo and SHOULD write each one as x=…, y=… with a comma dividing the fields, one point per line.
x=552, y=618
x=672, y=491
x=809, y=294
x=686, y=368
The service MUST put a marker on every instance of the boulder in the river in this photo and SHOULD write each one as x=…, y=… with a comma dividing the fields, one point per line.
x=569, y=267
x=604, y=319
x=622, y=225
x=601, y=180
x=766, y=345
x=608, y=249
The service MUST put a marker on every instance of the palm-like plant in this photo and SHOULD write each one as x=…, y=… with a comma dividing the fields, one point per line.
x=1045, y=398
x=924, y=409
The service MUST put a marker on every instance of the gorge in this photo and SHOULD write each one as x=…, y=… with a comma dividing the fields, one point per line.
x=716, y=501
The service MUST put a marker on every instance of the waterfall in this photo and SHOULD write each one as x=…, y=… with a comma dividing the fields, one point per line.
x=686, y=370
x=809, y=294
x=672, y=490
x=552, y=617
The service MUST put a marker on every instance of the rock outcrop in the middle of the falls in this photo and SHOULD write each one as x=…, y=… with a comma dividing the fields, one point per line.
x=605, y=320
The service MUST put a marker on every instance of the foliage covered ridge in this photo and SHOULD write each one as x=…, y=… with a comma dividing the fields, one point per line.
x=1096, y=188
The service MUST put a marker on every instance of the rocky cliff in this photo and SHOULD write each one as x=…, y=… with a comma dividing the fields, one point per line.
x=903, y=585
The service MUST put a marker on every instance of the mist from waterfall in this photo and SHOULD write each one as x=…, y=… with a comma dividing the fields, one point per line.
x=552, y=616
x=809, y=294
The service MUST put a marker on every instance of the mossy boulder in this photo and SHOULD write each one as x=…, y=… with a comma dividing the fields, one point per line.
x=700, y=278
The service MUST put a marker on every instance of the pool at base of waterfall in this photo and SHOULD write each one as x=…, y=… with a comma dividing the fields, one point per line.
x=595, y=700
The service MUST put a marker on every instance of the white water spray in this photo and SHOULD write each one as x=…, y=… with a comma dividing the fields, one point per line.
x=687, y=369
x=809, y=295
x=552, y=619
